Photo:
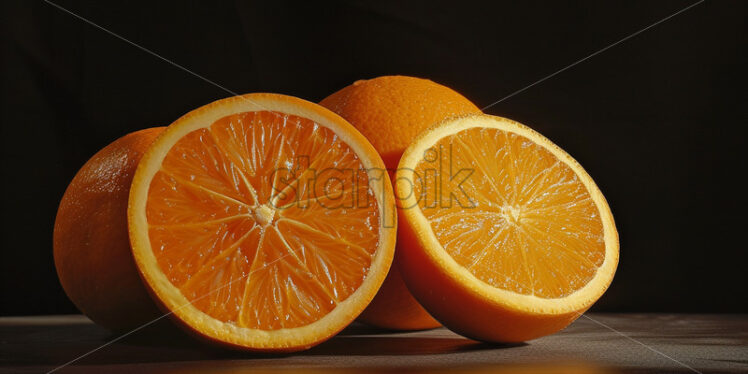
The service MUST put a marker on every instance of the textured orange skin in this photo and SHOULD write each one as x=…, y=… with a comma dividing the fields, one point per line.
x=394, y=296
x=91, y=243
x=462, y=310
x=391, y=111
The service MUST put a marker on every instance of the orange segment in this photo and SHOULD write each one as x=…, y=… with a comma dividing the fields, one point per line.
x=217, y=285
x=182, y=250
x=501, y=219
x=260, y=227
x=182, y=202
x=197, y=161
x=286, y=293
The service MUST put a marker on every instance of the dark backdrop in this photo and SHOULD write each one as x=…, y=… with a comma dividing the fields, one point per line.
x=657, y=120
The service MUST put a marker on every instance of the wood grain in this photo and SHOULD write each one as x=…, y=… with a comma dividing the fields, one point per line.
x=706, y=343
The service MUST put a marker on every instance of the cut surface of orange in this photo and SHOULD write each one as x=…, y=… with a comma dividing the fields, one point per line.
x=510, y=239
x=258, y=220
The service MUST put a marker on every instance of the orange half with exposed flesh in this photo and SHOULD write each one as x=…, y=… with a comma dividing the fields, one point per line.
x=262, y=221
x=505, y=237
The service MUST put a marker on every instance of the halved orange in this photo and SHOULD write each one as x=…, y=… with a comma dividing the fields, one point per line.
x=260, y=221
x=504, y=236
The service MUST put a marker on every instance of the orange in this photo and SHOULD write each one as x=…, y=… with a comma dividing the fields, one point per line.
x=91, y=244
x=390, y=112
x=263, y=222
x=504, y=237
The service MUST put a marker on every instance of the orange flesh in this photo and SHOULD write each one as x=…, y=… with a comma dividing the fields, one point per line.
x=525, y=222
x=254, y=220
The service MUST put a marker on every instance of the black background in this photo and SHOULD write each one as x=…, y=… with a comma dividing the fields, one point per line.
x=657, y=120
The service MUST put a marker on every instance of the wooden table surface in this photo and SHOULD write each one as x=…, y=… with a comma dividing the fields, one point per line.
x=609, y=343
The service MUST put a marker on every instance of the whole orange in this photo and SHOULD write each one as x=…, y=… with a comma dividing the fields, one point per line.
x=91, y=243
x=390, y=111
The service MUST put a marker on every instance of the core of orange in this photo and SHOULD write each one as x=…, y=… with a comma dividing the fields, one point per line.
x=262, y=221
x=504, y=237
x=391, y=111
